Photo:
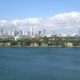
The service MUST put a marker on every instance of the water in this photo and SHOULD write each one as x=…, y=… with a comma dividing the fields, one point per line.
x=39, y=63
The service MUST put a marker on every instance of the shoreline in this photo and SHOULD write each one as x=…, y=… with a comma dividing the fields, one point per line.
x=40, y=46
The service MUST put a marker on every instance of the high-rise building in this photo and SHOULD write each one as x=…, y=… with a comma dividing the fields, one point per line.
x=1, y=31
x=39, y=33
x=32, y=31
x=79, y=30
x=44, y=32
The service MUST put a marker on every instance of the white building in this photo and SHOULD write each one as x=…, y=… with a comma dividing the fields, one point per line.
x=32, y=31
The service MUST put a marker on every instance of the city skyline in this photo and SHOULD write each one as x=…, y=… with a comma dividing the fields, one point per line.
x=57, y=15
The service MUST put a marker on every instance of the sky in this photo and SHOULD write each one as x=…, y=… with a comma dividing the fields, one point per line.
x=20, y=13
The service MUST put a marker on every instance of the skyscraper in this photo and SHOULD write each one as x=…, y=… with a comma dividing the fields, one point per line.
x=79, y=30
x=1, y=31
x=32, y=31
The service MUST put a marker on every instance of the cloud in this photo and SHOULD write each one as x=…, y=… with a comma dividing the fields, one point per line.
x=65, y=21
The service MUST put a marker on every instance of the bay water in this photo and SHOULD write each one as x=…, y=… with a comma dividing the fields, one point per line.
x=23, y=63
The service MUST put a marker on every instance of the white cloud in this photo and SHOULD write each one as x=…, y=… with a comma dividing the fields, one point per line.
x=65, y=21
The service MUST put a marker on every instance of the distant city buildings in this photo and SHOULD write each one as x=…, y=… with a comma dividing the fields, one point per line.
x=32, y=33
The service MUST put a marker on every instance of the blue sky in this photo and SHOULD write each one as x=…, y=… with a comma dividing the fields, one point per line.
x=58, y=15
x=20, y=9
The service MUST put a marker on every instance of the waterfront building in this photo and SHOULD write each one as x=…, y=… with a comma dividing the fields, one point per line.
x=21, y=37
x=6, y=37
